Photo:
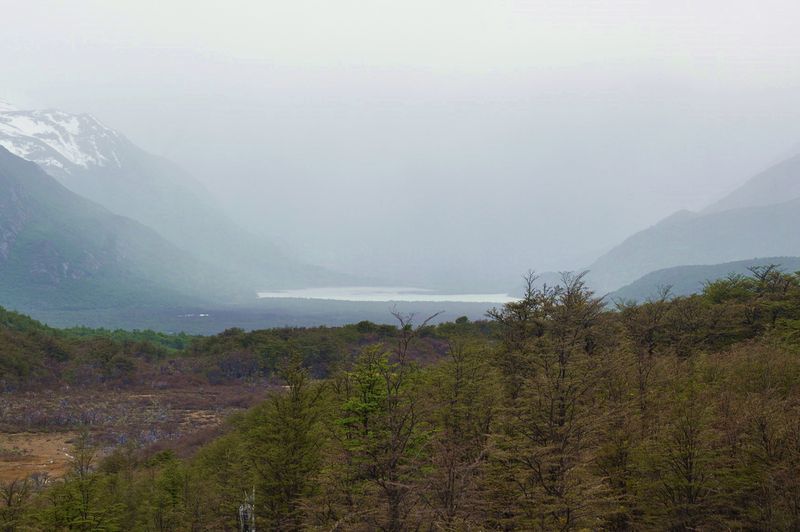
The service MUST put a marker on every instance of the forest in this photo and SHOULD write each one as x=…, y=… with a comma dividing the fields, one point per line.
x=560, y=411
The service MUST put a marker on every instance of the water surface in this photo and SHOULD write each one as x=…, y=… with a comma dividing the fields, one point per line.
x=385, y=293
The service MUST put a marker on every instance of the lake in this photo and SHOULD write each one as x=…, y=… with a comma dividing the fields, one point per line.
x=385, y=293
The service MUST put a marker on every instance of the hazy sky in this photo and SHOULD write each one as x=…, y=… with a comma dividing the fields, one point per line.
x=437, y=138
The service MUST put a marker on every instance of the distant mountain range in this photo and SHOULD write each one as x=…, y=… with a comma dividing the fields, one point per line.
x=97, y=222
x=760, y=219
x=102, y=165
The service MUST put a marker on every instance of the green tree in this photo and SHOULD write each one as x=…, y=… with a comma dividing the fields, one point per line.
x=13, y=497
x=382, y=429
x=552, y=411
x=81, y=501
x=463, y=391
x=284, y=444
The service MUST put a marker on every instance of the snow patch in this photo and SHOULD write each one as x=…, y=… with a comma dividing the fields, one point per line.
x=52, y=138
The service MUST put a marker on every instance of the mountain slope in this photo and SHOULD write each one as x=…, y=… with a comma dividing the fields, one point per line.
x=777, y=184
x=686, y=280
x=757, y=220
x=59, y=250
x=712, y=238
x=103, y=166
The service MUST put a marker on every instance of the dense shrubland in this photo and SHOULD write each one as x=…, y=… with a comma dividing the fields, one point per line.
x=33, y=355
x=559, y=413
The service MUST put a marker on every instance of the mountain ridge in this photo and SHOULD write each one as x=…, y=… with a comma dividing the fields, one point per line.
x=755, y=220
x=776, y=184
x=102, y=165
x=690, y=279
x=718, y=237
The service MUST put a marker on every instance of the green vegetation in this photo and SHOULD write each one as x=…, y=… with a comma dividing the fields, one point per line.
x=34, y=355
x=557, y=414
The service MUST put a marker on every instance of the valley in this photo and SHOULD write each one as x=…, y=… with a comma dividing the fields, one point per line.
x=93, y=236
x=399, y=266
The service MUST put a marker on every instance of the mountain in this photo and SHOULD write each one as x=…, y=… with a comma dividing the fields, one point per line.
x=775, y=185
x=102, y=165
x=686, y=280
x=713, y=238
x=59, y=250
x=760, y=219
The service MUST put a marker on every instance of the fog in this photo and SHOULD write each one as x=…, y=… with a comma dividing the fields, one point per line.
x=447, y=143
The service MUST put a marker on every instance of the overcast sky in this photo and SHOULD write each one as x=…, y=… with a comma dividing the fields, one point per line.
x=448, y=138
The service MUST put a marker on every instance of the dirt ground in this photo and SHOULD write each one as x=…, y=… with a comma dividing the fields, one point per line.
x=25, y=453
x=38, y=430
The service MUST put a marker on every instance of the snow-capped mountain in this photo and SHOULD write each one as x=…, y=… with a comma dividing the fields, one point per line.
x=102, y=165
x=59, y=142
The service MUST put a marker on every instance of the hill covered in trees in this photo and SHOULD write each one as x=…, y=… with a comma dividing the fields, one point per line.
x=556, y=414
